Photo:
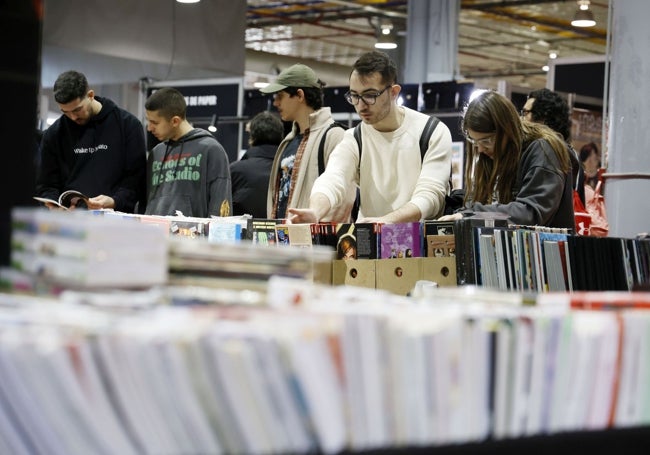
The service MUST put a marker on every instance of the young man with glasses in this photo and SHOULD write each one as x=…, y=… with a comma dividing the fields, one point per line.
x=95, y=147
x=298, y=96
x=396, y=183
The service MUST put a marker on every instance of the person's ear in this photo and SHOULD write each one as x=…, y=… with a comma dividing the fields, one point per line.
x=395, y=89
x=91, y=94
x=176, y=120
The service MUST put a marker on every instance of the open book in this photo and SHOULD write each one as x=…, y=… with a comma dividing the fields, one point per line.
x=65, y=199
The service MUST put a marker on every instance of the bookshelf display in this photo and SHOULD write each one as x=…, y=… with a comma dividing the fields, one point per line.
x=299, y=367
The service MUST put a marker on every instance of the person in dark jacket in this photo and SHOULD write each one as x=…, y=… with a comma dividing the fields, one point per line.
x=548, y=107
x=95, y=147
x=250, y=175
x=515, y=167
x=188, y=170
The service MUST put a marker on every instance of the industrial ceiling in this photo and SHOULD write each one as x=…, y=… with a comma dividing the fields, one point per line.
x=497, y=40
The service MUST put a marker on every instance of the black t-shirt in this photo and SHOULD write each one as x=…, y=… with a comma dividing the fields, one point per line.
x=287, y=161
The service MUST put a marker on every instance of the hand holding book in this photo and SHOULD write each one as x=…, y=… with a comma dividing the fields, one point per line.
x=67, y=200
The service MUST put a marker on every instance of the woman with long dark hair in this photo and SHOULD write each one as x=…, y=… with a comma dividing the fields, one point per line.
x=514, y=167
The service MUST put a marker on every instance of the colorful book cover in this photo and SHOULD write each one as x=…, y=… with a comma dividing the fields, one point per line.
x=224, y=232
x=357, y=240
x=400, y=240
x=187, y=228
x=262, y=231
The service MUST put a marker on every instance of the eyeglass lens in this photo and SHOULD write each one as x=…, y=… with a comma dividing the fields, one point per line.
x=368, y=98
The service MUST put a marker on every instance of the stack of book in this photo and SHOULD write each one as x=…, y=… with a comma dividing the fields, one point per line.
x=240, y=266
x=328, y=370
x=79, y=249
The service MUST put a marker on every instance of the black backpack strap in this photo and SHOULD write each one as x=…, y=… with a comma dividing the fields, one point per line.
x=357, y=200
x=431, y=125
x=357, y=136
x=321, y=146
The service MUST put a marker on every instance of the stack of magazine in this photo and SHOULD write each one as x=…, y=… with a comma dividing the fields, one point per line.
x=330, y=369
x=81, y=249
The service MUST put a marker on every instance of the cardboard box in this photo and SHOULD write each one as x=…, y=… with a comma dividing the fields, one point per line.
x=397, y=275
x=359, y=272
x=442, y=270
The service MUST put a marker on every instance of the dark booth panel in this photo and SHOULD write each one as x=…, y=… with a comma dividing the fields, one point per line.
x=440, y=96
x=333, y=97
x=256, y=102
x=205, y=102
x=410, y=94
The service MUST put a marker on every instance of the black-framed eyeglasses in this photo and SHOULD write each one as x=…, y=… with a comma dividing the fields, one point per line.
x=369, y=98
x=525, y=112
x=485, y=142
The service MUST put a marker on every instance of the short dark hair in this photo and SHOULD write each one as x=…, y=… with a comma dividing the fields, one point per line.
x=266, y=128
x=550, y=109
x=587, y=150
x=313, y=96
x=376, y=62
x=69, y=86
x=168, y=101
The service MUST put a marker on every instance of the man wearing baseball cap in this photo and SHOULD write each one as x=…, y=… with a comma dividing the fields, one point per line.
x=298, y=96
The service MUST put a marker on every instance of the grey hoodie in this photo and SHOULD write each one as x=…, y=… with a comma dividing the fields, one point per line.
x=191, y=175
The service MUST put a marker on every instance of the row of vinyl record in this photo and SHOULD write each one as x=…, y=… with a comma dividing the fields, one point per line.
x=487, y=250
x=527, y=259
x=350, y=240
x=321, y=369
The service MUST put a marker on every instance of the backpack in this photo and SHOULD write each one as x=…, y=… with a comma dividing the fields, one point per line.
x=321, y=145
x=431, y=125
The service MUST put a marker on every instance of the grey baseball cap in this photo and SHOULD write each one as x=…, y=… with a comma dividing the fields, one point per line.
x=297, y=75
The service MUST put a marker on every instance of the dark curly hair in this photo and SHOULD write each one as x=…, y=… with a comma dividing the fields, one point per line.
x=552, y=110
x=313, y=96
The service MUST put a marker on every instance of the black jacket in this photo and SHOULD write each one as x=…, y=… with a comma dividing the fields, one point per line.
x=543, y=193
x=105, y=156
x=250, y=180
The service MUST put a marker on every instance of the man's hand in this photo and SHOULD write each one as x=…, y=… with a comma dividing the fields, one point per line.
x=372, y=219
x=100, y=202
x=298, y=216
x=455, y=216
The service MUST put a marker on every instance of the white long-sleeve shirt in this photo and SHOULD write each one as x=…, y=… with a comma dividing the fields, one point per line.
x=393, y=172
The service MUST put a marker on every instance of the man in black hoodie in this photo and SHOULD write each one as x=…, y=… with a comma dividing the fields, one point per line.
x=95, y=147
x=189, y=170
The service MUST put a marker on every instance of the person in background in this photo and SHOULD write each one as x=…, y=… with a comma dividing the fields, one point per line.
x=515, y=167
x=298, y=96
x=188, y=170
x=548, y=107
x=250, y=175
x=590, y=160
x=396, y=184
x=95, y=148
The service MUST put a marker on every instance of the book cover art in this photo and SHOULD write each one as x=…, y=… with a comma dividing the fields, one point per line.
x=400, y=240
x=298, y=235
x=189, y=228
x=357, y=240
x=324, y=233
x=441, y=246
x=224, y=232
x=262, y=231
